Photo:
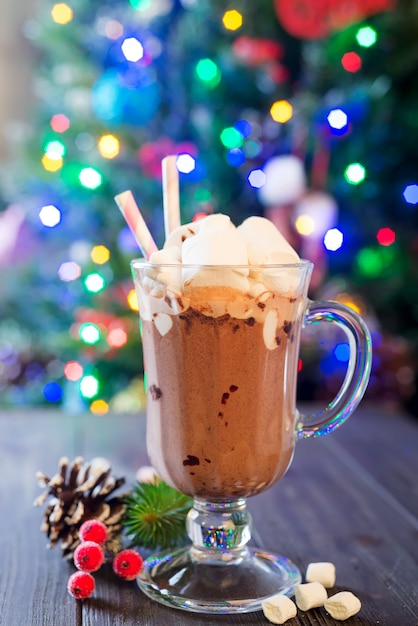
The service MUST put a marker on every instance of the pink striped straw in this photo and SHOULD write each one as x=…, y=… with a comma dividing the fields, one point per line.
x=132, y=214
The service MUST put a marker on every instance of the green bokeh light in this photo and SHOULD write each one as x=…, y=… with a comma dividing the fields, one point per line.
x=366, y=36
x=231, y=138
x=355, y=173
x=208, y=72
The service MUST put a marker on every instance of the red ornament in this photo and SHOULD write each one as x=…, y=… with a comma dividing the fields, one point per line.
x=315, y=20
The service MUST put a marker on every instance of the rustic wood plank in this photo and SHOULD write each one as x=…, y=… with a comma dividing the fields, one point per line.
x=344, y=499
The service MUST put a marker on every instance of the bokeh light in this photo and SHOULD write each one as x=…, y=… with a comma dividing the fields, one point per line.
x=337, y=119
x=100, y=254
x=342, y=352
x=99, y=407
x=51, y=164
x=90, y=178
x=410, y=194
x=94, y=282
x=208, y=72
x=355, y=173
x=132, y=49
x=69, y=270
x=89, y=333
x=50, y=215
x=281, y=111
x=232, y=20
x=351, y=62
x=132, y=300
x=52, y=392
x=89, y=386
x=366, y=36
x=109, y=146
x=117, y=337
x=231, y=138
x=333, y=239
x=305, y=225
x=55, y=149
x=73, y=370
x=185, y=163
x=236, y=157
x=61, y=13
x=386, y=236
x=60, y=123
x=257, y=178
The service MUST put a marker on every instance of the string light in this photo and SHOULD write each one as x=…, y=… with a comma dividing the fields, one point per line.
x=59, y=123
x=386, y=236
x=305, y=225
x=94, y=282
x=410, y=194
x=202, y=195
x=366, y=36
x=61, y=13
x=109, y=146
x=69, y=270
x=50, y=216
x=355, y=173
x=208, y=72
x=257, y=178
x=351, y=62
x=73, y=370
x=333, y=239
x=51, y=164
x=281, y=111
x=231, y=138
x=52, y=392
x=337, y=119
x=89, y=386
x=55, y=149
x=99, y=407
x=185, y=163
x=100, y=254
x=132, y=300
x=369, y=262
x=90, y=178
x=232, y=20
x=89, y=333
x=132, y=49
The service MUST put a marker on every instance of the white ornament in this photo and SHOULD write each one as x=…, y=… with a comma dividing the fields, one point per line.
x=285, y=181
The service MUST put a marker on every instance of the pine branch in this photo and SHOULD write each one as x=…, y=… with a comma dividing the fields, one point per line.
x=155, y=515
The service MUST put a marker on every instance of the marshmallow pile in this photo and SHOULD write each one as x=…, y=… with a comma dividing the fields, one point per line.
x=215, y=240
x=312, y=594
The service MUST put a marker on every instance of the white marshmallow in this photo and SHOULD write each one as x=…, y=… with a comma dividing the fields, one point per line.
x=163, y=322
x=321, y=572
x=310, y=595
x=171, y=254
x=278, y=609
x=215, y=247
x=217, y=220
x=270, y=325
x=180, y=234
x=342, y=605
x=265, y=243
x=167, y=270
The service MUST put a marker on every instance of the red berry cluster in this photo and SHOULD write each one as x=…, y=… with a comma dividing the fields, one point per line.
x=89, y=556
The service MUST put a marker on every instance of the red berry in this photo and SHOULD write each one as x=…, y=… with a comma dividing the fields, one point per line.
x=127, y=564
x=93, y=530
x=88, y=556
x=81, y=585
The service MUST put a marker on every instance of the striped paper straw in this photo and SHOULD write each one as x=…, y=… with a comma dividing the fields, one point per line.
x=171, y=198
x=136, y=223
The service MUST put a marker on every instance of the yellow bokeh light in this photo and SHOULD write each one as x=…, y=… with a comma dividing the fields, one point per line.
x=109, y=146
x=352, y=302
x=232, y=20
x=99, y=407
x=281, y=111
x=61, y=13
x=100, y=254
x=132, y=300
x=305, y=225
x=51, y=164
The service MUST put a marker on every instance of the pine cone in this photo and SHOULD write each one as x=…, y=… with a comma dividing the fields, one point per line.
x=79, y=492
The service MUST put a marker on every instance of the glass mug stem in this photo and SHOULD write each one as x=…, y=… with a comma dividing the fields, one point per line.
x=358, y=369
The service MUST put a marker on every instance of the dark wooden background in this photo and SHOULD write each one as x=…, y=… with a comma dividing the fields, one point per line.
x=350, y=498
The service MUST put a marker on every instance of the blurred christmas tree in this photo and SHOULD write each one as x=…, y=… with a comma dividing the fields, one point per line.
x=308, y=117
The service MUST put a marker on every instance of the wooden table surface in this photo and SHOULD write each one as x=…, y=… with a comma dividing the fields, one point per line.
x=350, y=498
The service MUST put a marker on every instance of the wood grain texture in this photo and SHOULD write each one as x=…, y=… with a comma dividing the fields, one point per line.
x=350, y=498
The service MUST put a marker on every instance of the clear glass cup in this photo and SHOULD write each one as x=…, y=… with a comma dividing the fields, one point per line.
x=221, y=349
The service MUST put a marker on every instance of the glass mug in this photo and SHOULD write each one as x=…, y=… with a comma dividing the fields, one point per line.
x=221, y=349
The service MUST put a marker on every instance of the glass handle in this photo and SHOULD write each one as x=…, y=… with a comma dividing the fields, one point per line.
x=358, y=370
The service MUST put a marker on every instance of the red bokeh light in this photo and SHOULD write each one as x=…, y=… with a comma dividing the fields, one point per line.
x=351, y=62
x=386, y=236
x=73, y=370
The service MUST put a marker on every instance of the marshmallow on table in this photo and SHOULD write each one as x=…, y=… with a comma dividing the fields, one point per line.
x=342, y=605
x=310, y=595
x=278, y=609
x=321, y=572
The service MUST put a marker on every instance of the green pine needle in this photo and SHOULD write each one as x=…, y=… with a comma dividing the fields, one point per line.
x=156, y=515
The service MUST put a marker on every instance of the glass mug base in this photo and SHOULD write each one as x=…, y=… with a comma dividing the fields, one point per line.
x=178, y=580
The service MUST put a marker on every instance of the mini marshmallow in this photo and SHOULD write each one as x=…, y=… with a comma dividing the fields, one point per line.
x=163, y=323
x=278, y=609
x=180, y=234
x=342, y=605
x=310, y=595
x=217, y=220
x=321, y=572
